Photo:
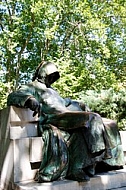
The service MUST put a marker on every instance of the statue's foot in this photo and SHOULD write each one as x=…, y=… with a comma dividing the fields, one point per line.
x=108, y=154
x=90, y=170
x=78, y=175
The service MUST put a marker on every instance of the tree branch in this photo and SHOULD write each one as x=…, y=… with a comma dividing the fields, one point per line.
x=9, y=11
x=22, y=50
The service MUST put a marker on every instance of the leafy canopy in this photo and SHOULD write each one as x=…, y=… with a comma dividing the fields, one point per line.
x=86, y=39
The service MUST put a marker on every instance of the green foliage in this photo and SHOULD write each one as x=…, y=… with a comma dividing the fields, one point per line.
x=75, y=77
x=86, y=39
x=108, y=103
x=89, y=33
x=5, y=88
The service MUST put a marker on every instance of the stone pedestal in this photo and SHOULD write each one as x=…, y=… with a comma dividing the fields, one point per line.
x=21, y=151
x=123, y=139
x=20, y=148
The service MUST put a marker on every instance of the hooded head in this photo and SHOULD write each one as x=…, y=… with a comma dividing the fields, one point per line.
x=46, y=73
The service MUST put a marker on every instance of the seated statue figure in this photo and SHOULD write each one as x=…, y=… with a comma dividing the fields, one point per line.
x=75, y=139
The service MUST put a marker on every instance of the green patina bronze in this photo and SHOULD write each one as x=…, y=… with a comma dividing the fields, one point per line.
x=75, y=139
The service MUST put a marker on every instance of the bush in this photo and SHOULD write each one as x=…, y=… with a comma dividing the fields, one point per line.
x=108, y=103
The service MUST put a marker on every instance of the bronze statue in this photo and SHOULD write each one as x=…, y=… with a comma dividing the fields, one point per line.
x=75, y=139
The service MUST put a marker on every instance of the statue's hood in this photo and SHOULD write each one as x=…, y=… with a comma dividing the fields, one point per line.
x=47, y=73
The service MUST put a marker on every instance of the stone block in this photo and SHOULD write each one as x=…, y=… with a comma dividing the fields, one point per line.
x=22, y=165
x=21, y=114
x=7, y=164
x=123, y=139
x=28, y=130
x=21, y=125
x=15, y=145
x=36, y=145
x=109, y=180
x=5, y=123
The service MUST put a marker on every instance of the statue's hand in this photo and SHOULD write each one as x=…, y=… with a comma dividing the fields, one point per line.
x=33, y=105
